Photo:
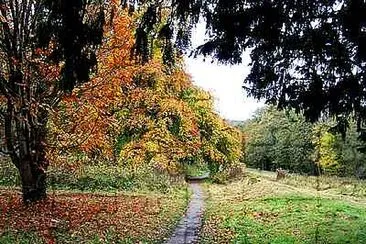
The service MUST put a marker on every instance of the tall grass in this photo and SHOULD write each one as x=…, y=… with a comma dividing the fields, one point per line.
x=332, y=184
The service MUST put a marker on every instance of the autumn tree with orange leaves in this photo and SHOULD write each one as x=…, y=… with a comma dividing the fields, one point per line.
x=142, y=114
x=85, y=121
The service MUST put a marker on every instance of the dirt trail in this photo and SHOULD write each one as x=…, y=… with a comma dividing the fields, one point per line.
x=188, y=228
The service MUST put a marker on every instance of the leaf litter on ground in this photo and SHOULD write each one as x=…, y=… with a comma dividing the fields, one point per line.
x=136, y=217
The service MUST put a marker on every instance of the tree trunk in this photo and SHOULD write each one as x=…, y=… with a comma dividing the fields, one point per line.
x=33, y=181
x=26, y=143
x=34, y=164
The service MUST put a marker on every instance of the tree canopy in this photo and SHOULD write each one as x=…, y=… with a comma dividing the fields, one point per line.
x=307, y=55
x=134, y=115
x=283, y=139
x=279, y=139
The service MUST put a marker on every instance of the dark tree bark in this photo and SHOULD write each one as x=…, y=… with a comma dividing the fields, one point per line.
x=25, y=132
x=33, y=163
x=46, y=48
x=33, y=181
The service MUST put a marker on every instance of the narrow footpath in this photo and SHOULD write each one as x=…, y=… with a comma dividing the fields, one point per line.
x=189, y=226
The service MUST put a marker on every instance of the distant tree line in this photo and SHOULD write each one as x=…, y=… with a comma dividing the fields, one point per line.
x=284, y=139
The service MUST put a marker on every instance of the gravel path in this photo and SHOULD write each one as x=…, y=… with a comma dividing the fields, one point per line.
x=189, y=226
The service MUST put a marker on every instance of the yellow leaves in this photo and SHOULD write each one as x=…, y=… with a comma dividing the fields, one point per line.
x=173, y=111
x=86, y=119
x=213, y=154
x=164, y=119
x=162, y=163
x=152, y=147
x=181, y=80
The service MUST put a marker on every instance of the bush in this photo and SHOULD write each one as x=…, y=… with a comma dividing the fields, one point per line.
x=103, y=177
x=230, y=173
x=99, y=177
x=8, y=173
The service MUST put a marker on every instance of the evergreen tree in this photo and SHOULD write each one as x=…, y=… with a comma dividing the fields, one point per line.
x=308, y=55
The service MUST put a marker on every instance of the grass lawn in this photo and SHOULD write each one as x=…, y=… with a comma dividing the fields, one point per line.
x=258, y=210
x=67, y=217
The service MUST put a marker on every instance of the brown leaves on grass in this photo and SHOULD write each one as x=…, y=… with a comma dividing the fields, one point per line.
x=87, y=215
x=264, y=216
x=214, y=232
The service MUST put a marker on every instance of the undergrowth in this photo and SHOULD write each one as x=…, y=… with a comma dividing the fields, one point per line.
x=99, y=177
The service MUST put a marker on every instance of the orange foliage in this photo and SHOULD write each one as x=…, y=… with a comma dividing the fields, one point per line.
x=85, y=119
x=143, y=114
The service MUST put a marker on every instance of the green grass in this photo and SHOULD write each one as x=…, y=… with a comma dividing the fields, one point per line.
x=20, y=238
x=196, y=169
x=297, y=219
x=8, y=174
x=266, y=212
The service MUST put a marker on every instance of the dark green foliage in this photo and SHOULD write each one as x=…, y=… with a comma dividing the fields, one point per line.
x=20, y=237
x=279, y=139
x=8, y=173
x=178, y=20
x=76, y=32
x=353, y=162
x=275, y=139
x=307, y=55
x=122, y=140
x=105, y=177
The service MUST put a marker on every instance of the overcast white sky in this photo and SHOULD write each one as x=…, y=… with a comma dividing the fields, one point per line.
x=224, y=82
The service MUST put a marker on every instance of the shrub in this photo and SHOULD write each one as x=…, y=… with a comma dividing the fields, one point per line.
x=8, y=173
x=103, y=177
x=230, y=173
x=99, y=177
